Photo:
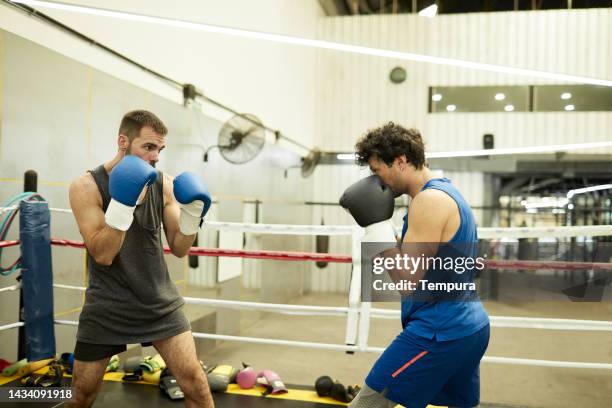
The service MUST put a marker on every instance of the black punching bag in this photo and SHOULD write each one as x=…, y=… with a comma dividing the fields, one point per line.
x=322, y=247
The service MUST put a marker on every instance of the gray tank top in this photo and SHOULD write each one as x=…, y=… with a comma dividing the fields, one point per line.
x=133, y=300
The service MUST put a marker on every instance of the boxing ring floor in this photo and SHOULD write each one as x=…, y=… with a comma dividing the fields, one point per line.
x=514, y=385
x=507, y=385
x=120, y=394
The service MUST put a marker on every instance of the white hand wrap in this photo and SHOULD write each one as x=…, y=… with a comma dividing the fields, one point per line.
x=191, y=217
x=119, y=216
x=380, y=232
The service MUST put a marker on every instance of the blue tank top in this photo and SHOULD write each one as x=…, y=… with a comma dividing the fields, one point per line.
x=447, y=320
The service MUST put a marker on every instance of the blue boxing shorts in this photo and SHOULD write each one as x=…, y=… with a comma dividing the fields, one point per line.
x=415, y=371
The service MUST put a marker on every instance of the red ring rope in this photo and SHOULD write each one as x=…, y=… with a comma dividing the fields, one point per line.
x=340, y=258
x=5, y=244
x=259, y=254
x=557, y=265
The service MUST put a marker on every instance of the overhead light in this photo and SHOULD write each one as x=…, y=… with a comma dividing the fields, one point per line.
x=436, y=97
x=584, y=190
x=547, y=202
x=500, y=96
x=508, y=151
x=451, y=108
x=531, y=211
x=570, y=206
x=520, y=150
x=569, y=107
x=566, y=95
x=430, y=11
x=307, y=42
x=345, y=156
x=509, y=108
x=558, y=211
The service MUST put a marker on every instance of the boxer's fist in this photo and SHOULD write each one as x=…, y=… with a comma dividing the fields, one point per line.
x=371, y=204
x=127, y=180
x=191, y=192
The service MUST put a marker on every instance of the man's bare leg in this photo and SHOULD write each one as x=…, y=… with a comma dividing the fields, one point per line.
x=86, y=381
x=180, y=356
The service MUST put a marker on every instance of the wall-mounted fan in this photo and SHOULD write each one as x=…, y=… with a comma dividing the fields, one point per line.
x=240, y=139
x=308, y=163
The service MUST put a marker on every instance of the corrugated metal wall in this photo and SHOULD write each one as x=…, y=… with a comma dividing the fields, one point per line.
x=355, y=94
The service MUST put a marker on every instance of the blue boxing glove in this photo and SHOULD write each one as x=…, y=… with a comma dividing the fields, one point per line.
x=127, y=180
x=191, y=192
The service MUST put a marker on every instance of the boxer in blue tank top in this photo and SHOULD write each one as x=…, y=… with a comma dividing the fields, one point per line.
x=435, y=359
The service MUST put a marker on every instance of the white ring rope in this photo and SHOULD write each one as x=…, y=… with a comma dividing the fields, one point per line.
x=545, y=232
x=60, y=210
x=496, y=321
x=7, y=209
x=270, y=307
x=342, y=347
x=522, y=322
x=66, y=322
x=277, y=342
x=11, y=288
x=11, y=326
x=281, y=229
x=546, y=363
x=483, y=233
x=70, y=287
x=528, y=361
x=550, y=324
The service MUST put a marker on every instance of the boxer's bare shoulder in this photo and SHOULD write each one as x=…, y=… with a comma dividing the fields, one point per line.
x=86, y=204
x=84, y=191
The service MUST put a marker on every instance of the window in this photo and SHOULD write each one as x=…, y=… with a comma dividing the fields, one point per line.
x=550, y=98
x=534, y=98
x=479, y=99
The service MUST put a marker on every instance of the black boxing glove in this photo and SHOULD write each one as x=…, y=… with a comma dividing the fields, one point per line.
x=371, y=204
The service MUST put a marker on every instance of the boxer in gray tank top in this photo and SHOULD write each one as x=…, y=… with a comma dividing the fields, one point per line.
x=135, y=291
x=130, y=297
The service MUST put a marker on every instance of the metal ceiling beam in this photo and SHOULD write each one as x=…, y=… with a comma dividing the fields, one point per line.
x=543, y=183
x=334, y=7
x=513, y=185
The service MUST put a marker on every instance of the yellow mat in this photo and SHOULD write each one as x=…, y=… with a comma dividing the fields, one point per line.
x=292, y=395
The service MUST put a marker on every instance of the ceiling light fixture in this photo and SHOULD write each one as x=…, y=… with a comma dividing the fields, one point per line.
x=521, y=150
x=504, y=151
x=429, y=12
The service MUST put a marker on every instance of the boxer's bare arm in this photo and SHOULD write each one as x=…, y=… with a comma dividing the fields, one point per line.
x=431, y=220
x=428, y=217
x=102, y=241
x=179, y=243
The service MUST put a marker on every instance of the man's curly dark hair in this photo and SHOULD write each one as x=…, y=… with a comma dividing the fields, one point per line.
x=390, y=141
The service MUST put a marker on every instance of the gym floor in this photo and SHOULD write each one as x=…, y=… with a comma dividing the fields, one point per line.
x=512, y=385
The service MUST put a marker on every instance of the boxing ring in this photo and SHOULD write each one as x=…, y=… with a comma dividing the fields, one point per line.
x=359, y=315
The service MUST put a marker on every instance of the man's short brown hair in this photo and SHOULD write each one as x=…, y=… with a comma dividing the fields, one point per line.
x=389, y=142
x=133, y=122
